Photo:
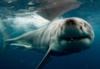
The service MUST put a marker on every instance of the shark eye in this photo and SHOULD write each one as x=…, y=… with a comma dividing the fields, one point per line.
x=81, y=27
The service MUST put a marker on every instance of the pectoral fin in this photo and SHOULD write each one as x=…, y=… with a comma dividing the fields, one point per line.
x=44, y=60
x=21, y=45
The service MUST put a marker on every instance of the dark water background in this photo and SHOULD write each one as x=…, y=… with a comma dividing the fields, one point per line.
x=14, y=58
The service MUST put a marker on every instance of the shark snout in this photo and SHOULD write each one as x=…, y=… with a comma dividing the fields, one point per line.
x=71, y=22
x=73, y=25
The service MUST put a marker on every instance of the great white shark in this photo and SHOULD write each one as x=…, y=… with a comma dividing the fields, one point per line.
x=62, y=36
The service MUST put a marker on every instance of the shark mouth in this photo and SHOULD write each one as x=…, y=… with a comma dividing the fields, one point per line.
x=73, y=38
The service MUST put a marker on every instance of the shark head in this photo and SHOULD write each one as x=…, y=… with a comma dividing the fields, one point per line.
x=76, y=35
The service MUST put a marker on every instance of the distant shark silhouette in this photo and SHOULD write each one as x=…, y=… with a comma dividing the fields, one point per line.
x=60, y=37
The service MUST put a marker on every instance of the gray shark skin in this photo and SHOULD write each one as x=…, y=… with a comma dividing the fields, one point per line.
x=58, y=36
x=61, y=37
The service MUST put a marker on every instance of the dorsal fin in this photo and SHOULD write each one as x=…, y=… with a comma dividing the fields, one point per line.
x=55, y=8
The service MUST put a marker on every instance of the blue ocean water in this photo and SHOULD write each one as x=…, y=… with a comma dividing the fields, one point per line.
x=15, y=58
